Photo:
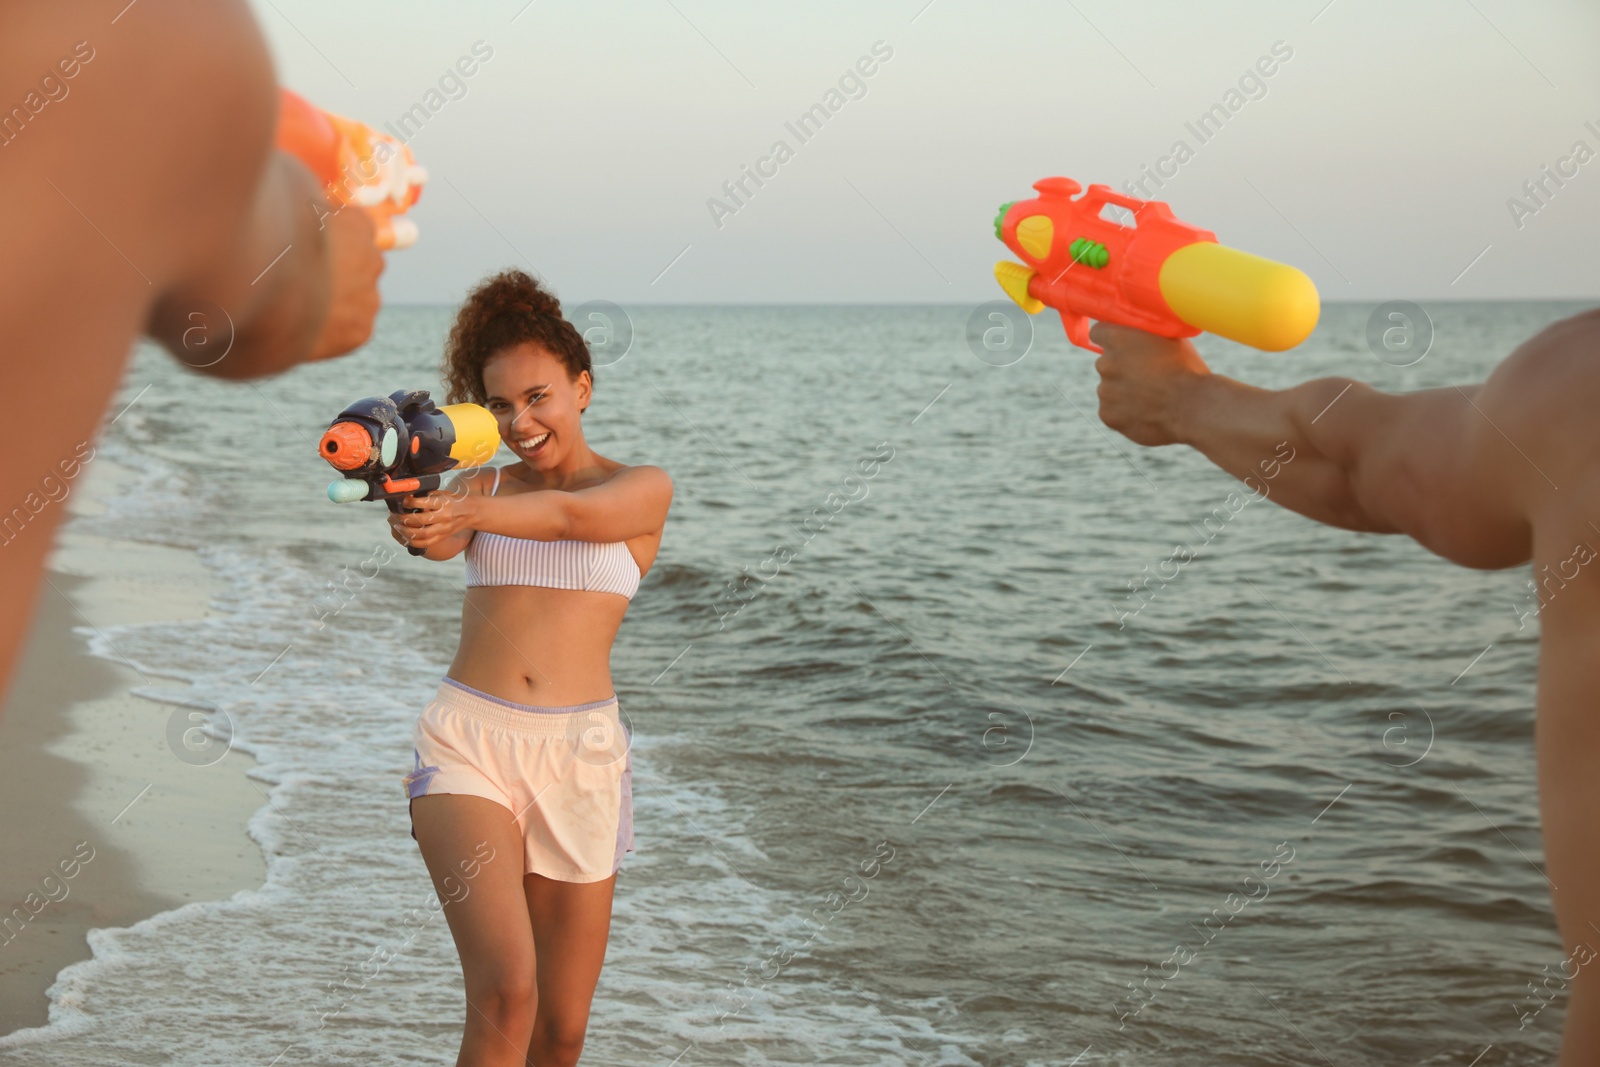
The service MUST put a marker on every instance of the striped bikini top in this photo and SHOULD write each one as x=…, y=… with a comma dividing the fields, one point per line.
x=605, y=567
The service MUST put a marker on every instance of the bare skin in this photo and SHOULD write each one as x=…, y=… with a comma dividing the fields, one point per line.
x=1489, y=476
x=531, y=947
x=531, y=952
x=146, y=194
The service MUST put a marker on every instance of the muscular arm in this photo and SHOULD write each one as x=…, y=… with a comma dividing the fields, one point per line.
x=270, y=324
x=143, y=184
x=295, y=281
x=317, y=301
x=153, y=194
x=1487, y=476
x=1430, y=464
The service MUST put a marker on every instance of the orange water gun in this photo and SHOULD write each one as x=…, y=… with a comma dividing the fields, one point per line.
x=355, y=164
x=1155, y=273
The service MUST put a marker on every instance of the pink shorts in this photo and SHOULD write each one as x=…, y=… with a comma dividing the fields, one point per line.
x=565, y=774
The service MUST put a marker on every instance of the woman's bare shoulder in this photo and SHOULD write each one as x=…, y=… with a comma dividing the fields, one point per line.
x=640, y=477
x=474, y=481
x=614, y=467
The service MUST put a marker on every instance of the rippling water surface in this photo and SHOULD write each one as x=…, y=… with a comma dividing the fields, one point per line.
x=918, y=786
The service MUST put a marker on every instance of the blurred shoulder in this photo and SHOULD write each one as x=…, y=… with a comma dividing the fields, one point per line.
x=1543, y=396
x=1539, y=407
x=161, y=131
x=1555, y=361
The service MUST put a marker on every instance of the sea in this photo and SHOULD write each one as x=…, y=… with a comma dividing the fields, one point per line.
x=966, y=732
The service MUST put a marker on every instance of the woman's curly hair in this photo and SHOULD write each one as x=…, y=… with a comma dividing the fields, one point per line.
x=504, y=310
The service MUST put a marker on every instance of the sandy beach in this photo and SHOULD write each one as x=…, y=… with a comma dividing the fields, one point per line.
x=107, y=825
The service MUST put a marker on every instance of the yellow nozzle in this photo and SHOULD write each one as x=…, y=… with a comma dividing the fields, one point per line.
x=1014, y=279
x=1245, y=298
x=477, y=434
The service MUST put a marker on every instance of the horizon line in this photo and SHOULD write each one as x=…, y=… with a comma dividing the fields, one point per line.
x=966, y=303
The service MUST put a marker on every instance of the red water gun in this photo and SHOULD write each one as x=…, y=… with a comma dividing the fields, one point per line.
x=355, y=164
x=1155, y=273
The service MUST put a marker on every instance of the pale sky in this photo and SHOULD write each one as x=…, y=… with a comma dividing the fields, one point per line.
x=1380, y=159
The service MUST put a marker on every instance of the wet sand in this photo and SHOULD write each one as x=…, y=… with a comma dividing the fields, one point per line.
x=103, y=824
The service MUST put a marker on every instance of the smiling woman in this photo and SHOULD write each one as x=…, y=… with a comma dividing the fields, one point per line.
x=524, y=746
x=508, y=310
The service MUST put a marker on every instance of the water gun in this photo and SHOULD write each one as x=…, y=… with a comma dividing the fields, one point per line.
x=1157, y=273
x=355, y=164
x=388, y=447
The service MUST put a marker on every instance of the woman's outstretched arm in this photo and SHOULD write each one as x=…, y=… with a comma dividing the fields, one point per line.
x=631, y=503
